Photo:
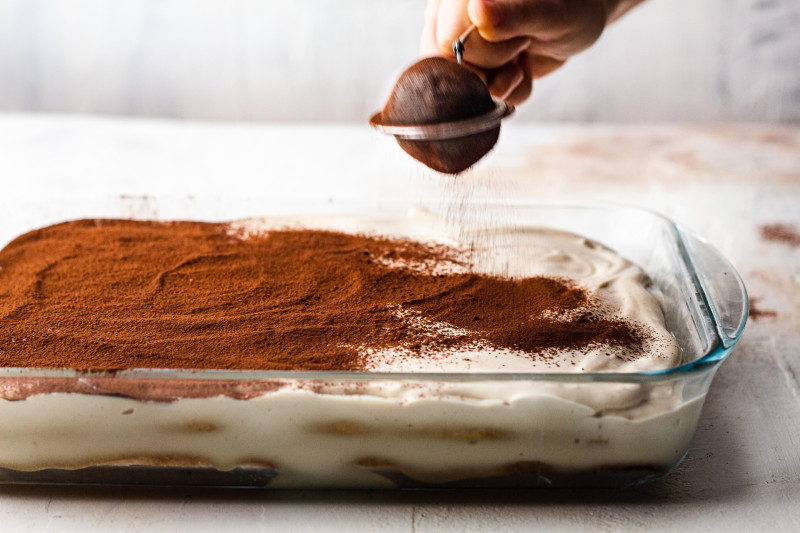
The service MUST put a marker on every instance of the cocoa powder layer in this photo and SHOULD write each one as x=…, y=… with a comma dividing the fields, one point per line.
x=118, y=294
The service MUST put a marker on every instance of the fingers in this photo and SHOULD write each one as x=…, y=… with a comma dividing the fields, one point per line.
x=568, y=26
x=549, y=30
x=490, y=55
x=483, y=74
x=505, y=79
x=447, y=20
x=521, y=93
x=499, y=20
x=513, y=82
x=541, y=65
x=451, y=22
x=427, y=43
x=515, y=41
x=429, y=46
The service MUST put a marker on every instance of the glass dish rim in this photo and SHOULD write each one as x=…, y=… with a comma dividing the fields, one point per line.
x=716, y=355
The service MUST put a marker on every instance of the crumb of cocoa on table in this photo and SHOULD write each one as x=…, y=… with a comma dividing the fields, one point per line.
x=782, y=233
x=756, y=313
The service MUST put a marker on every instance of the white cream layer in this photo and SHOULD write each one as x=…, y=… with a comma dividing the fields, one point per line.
x=315, y=440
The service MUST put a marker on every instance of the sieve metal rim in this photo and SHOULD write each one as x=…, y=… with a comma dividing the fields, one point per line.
x=446, y=130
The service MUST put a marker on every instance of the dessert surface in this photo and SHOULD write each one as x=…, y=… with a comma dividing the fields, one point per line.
x=335, y=293
x=323, y=294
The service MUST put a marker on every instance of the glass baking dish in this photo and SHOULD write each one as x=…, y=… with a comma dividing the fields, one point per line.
x=290, y=429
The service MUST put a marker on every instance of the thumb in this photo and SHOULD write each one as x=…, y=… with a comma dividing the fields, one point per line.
x=451, y=22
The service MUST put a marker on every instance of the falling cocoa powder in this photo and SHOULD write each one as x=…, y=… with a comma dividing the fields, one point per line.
x=116, y=294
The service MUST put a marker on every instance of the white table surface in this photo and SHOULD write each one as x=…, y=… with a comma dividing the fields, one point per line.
x=743, y=470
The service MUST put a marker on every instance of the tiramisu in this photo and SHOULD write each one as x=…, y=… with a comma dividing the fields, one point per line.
x=370, y=315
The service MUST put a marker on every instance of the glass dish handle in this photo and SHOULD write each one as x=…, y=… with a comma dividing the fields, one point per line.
x=725, y=293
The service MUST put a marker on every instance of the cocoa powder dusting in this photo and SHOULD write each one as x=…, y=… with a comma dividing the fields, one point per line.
x=782, y=233
x=756, y=313
x=117, y=294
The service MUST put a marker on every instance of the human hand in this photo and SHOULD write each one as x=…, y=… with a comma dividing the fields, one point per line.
x=516, y=41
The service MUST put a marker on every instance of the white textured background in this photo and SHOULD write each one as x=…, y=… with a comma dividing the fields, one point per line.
x=335, y=60
x=327, y=60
